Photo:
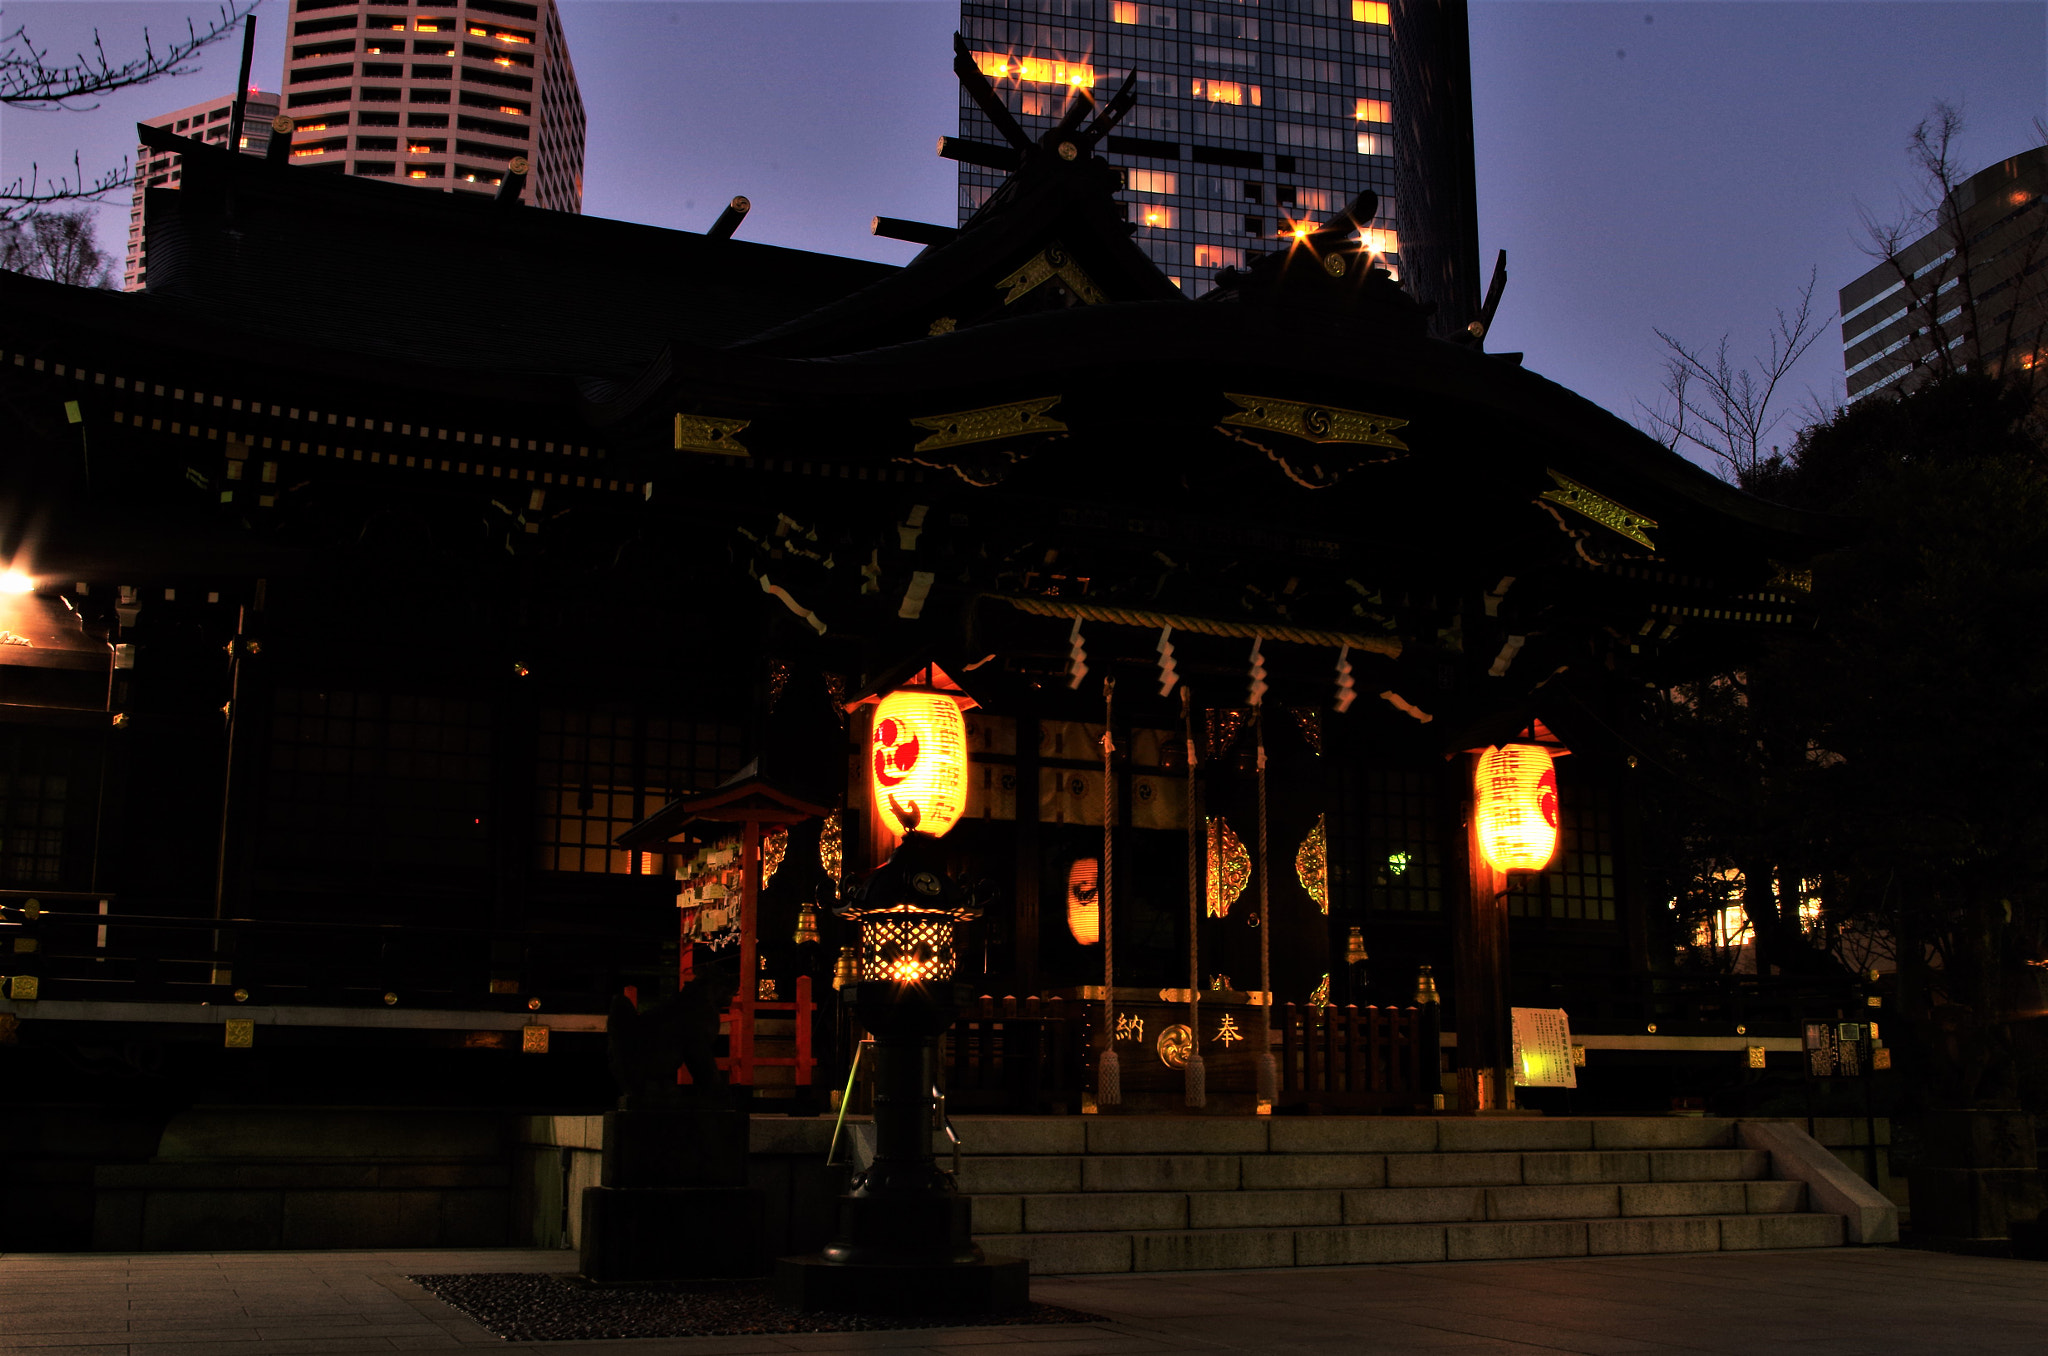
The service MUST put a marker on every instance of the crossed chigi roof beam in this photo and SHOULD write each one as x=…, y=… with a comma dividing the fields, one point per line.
x=1067, y=130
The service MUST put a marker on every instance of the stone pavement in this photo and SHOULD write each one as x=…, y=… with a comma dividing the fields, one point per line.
x=1833, y=1302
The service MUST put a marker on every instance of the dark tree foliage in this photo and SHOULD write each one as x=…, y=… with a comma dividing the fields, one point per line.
x=1927, y=686
x=1896, y=754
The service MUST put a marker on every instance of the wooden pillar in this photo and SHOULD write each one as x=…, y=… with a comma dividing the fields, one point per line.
x=748, y=993
x=1025, y=930
x=1479, y=963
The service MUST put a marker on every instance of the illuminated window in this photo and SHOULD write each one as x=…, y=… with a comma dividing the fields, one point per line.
x=427, y=25
x=1375, y=110
x=1227, y=92
x=1381, y=242
x=1369, y=12
x=1123, y=13
x=508, y=35
x=309, y=150
x=1218, y=256
x=476, y=32
x=514, y=109
x=1158, y=216
x=1375, y=143
x=1151, y=181
x=1033, y=70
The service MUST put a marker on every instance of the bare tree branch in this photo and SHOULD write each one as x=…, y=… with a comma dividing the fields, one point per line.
x=59, y=246
x=30, y=81
x=1725, y=410
x=1953, y=265
x=25, y=198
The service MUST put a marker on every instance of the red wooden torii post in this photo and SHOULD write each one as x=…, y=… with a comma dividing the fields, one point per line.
x=749, y=801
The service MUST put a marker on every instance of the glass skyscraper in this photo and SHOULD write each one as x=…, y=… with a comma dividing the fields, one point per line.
x=1252, y=117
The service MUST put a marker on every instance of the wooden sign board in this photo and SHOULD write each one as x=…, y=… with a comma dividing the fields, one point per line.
x=1543, y=1048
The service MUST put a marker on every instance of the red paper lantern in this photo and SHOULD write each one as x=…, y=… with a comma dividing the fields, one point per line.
x=1515, y=804
x=917, y=762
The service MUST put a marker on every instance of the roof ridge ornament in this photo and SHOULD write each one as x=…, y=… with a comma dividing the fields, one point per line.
x=1051, y=262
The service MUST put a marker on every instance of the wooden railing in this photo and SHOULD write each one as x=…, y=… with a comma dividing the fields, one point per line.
x=1023, y=1056
x=738, y=1024
x=103, y=948
x=1352, y=1059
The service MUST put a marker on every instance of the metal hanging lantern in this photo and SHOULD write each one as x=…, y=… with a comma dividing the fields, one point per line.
x=909, y=911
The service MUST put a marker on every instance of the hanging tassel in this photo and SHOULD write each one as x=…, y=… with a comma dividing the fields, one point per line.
x=1345, y=694
x=1198, y=1088
x=1077, y=657
x=1109, y=1080
x=1257, y=695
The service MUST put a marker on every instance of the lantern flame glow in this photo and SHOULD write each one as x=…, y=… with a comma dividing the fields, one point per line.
x=917, y=762
x=1515, y=807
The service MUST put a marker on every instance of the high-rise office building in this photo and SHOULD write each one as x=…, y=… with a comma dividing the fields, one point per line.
x=443, y=93
x=1972, y=292
x=1250, y=120
x=161, y=169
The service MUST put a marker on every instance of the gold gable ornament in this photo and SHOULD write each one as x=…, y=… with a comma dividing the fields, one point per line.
x=1318, y=424
x=988, y=423
x=1590, y=503
x=704, y=433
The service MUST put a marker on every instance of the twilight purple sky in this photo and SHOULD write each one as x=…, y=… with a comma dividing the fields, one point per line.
x=1674, y=165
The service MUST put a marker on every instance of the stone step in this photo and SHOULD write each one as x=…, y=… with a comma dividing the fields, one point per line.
x=1004, y=1136
x=1015, y=1174
x=1053, y=1254
x=1135, y=1211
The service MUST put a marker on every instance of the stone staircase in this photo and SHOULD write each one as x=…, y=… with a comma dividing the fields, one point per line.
x=1114, y=1194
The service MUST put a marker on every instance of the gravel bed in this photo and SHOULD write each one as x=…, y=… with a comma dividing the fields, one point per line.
x=524, y=1307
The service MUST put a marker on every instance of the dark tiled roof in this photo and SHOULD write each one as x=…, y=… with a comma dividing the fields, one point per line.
x=308, y=257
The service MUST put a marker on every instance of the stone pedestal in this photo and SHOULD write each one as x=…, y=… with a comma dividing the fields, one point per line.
x=1980, y=1175
x=904, y=1243
x=672, y=1201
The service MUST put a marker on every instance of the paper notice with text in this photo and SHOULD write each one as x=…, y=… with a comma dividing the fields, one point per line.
x=1543, y=1048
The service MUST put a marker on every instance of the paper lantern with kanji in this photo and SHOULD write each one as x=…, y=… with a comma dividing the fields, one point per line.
x=1514, y=796
x=917, y=762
